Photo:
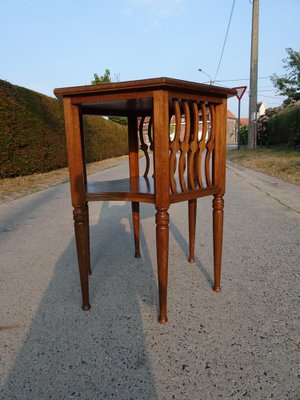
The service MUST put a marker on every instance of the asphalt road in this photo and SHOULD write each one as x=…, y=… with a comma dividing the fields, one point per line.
x=242, y=343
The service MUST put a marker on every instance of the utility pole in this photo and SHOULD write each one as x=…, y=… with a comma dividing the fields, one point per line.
x=253, y=76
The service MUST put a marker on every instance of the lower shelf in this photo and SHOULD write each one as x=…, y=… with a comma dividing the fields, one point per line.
x=129, y=189
x=139, y=189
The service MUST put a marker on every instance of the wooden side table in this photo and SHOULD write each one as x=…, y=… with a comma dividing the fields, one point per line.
x=183, y=124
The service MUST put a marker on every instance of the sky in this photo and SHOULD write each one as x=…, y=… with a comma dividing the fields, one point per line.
x=45, y=44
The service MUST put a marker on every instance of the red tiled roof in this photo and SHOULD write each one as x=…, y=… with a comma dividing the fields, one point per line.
x=244, y=121
x=230, y=115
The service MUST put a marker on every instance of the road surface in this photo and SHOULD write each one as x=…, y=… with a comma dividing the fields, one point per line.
x=239, y=344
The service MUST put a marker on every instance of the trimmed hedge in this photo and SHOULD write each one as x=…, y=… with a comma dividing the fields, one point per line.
x=284, y=128
x=103, y=138
x=32, y=135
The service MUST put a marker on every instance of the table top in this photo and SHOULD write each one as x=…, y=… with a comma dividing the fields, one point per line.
x=146, y=84
x=117, y=98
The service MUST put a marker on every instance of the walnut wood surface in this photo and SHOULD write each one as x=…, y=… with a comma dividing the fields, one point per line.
x=163, y=83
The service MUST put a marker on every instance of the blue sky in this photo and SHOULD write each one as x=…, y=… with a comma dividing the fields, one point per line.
x=46, y=44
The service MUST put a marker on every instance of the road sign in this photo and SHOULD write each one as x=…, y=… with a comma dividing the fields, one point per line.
x=240, y=91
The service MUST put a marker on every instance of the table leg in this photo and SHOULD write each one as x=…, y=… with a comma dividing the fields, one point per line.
x=133, y=145
x=192, y=204
x=88, y=238
x=81, y=225
x=162, y=246
x=218, y=216
x=136, y=227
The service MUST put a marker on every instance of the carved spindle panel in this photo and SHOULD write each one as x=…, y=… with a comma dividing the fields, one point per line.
x=184, y=145
x=210, y=145
x=192, y=145
x=144, y=146
x=201, y=146
x=174, y=147
x=150, y=137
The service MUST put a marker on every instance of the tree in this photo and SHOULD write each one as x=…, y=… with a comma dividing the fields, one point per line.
x=289, y=84
x=244, y=134
x=106, y=78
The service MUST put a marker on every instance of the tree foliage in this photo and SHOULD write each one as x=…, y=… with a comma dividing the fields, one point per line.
x=106, y=78
x=244, y=134
x=289, y=84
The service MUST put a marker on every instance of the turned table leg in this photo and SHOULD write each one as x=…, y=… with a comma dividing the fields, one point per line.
x=88, y=239
x=81, y=225
x=136, y=227
x=218, y=216
x=192, y=204
x=162, y=248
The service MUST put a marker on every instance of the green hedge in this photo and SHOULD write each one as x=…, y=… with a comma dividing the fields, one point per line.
x=284, y=128
x=103, y=138
x=32, y=135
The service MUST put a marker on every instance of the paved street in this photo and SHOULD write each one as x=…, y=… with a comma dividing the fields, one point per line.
x=242, y=343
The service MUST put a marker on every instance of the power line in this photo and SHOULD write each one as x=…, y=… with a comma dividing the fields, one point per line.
x=273, y=97
x=242, y=79
x=265, y=95
x=267, y=87
x=228, y=26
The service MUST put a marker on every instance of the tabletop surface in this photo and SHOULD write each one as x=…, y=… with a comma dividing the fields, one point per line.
x=121, y=98
x=145, y=85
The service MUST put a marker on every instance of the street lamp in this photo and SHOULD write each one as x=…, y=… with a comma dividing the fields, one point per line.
x=205, y=73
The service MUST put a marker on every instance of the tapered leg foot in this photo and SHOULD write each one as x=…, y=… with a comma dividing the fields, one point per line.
x=218, y=217
x=192, y=204
x=136, y=227
x=162, y=320
x=81, y=225
x=162, y=246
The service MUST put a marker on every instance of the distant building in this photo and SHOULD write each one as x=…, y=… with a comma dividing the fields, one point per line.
x=231, y=134
x=244, y=121
x=261, y=109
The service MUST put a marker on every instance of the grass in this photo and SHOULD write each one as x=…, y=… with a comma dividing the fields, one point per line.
x=280, y=162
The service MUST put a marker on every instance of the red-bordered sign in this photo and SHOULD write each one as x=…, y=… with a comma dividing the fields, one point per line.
x=240, y=91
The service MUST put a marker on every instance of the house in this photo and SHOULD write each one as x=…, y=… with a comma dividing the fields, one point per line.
x=261, y=109
x=231, y=133
x=244, y=121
